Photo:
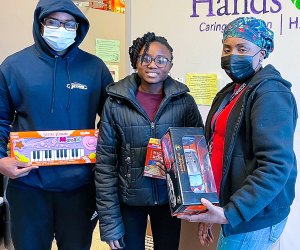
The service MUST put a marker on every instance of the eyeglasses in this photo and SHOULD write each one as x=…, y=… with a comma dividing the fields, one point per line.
x=160, y=61
x=55, y=24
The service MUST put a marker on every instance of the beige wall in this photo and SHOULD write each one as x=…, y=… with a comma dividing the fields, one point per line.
x=16, y=19
x=16, y=26
x=106, y=25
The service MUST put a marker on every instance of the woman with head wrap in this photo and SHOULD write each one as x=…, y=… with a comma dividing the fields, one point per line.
x=250, y=130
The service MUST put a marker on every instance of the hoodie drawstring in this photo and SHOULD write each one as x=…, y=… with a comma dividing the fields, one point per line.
x=53, y=86
x=70, y=88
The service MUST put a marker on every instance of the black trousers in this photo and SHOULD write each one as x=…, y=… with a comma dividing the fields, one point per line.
x=165, y=228
x=38, y=216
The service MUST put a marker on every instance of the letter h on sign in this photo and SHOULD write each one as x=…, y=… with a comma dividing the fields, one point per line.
x=210, y=7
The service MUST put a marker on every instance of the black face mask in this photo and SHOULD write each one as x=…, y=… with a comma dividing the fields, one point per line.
x=238, y=68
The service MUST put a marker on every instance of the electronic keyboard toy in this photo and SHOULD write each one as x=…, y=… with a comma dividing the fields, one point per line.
x=61, y=147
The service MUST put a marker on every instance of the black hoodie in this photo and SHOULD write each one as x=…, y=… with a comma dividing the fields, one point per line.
x=51, y=92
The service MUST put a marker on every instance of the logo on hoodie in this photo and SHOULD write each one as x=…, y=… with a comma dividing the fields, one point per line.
x=76, y=85
x=296, y=3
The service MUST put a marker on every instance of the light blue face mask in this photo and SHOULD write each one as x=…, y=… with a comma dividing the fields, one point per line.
x=59, y=39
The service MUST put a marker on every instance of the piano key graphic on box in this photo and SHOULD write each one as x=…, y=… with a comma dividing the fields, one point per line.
x=46, y=148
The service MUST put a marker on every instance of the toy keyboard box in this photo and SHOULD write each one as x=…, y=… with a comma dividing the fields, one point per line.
x=188, y=170
x=61, y=147
x=154, y=154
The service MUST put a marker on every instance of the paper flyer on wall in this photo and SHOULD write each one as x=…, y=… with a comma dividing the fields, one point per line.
x=203, y=87
x=108, y=50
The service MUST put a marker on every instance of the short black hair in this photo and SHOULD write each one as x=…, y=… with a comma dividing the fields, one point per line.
x=140, y=42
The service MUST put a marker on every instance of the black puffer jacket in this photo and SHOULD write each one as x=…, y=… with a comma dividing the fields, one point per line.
x=125, y=130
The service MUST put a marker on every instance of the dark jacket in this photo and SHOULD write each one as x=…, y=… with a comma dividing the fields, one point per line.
x=259, y=170
x=124, y=133
x=51, y=92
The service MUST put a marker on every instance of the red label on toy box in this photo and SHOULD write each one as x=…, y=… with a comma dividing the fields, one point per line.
x=188, y=170
x=154, y=154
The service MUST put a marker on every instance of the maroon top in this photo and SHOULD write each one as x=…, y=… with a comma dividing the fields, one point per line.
x=149, y=102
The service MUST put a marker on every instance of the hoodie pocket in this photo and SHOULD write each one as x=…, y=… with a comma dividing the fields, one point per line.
x=238, y=172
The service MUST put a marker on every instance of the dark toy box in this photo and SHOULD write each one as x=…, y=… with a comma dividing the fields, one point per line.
x=188, y=170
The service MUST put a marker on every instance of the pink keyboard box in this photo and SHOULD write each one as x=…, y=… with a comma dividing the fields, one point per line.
x=48, y=148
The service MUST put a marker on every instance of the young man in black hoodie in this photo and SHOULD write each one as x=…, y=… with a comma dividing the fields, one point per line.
x=51, y=85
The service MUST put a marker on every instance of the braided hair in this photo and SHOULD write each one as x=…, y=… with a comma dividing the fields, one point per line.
x=140, y=42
